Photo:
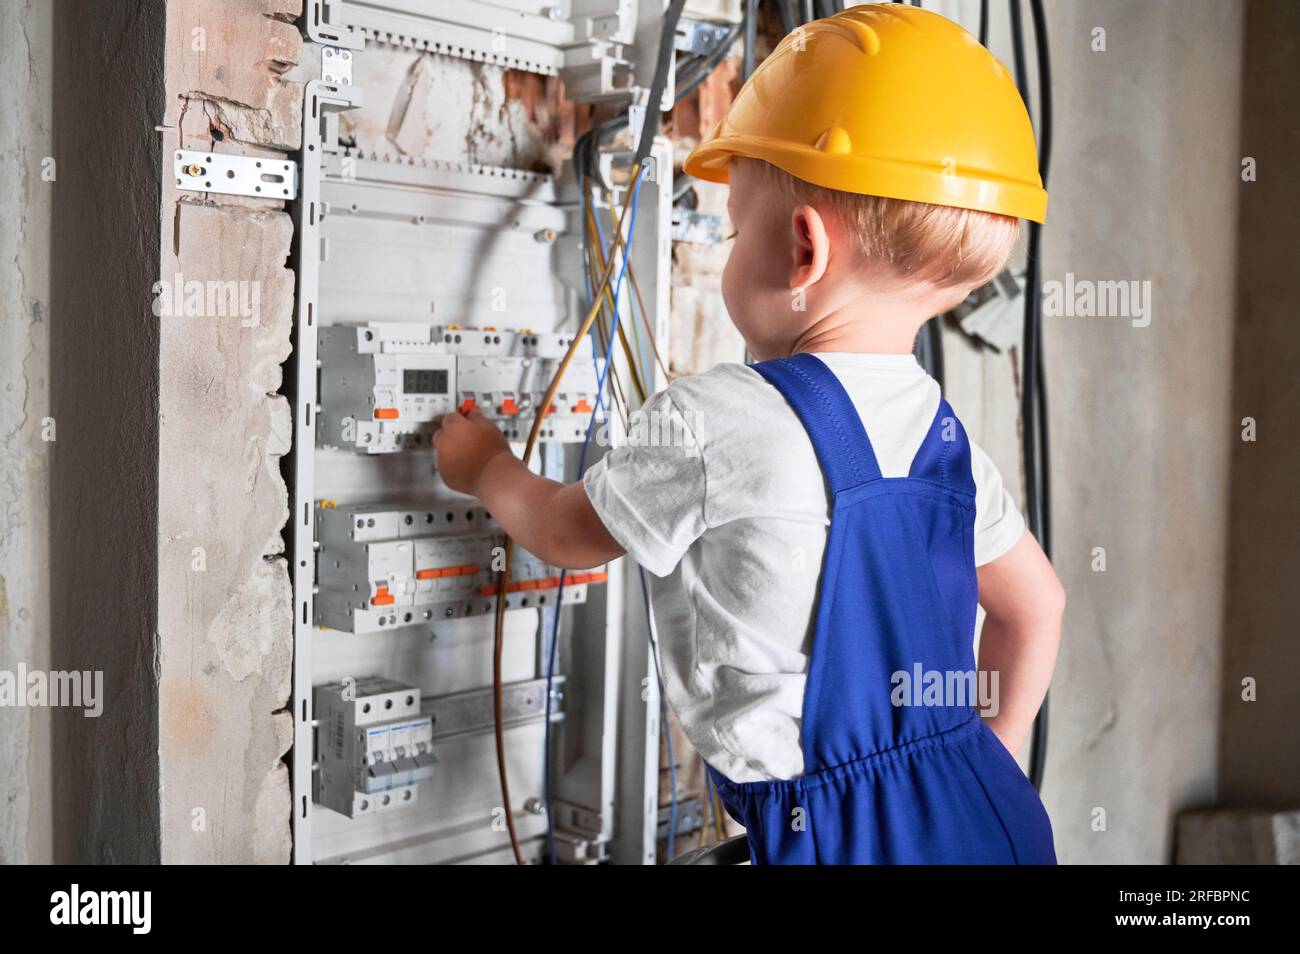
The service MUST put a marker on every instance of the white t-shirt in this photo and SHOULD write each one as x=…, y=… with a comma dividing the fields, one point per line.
x=718, y=493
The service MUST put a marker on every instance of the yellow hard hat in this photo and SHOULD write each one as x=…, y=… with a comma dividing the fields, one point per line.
x=889, y=100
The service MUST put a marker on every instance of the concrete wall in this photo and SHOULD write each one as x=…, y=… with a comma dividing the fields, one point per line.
x=1259, y=746
x=1144, y=187
x=224, y=600
x=103, y=481
x=26, y=119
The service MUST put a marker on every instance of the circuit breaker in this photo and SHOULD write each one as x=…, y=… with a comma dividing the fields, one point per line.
x=374, y=746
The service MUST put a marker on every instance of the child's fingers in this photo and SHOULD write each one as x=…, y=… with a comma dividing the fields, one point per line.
x=445, y=423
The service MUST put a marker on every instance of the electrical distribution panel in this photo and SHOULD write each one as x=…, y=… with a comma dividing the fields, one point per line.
x=396, y=578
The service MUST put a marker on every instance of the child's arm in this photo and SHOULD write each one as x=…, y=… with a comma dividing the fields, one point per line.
x=1023, y=603
x=550, y=520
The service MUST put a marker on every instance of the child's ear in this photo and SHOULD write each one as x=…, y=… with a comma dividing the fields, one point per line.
x=811, y=247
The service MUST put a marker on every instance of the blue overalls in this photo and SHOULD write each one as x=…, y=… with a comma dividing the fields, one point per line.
x=886, y=783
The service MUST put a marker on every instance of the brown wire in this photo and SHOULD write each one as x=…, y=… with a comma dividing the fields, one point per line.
x=498, y=642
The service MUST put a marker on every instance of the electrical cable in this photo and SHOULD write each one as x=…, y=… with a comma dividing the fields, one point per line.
x=627, y=268
x=929, y=342
x=933, y=331
x=498, y=700
x=643, y=314
x=1038, y=751
x=751, y=39
x=1033, y=412
x=584, y=151
x=690, y=79
x=559, y=595
x=634, y=362
x=660, y=81
x=673, y=812
x=789, y=17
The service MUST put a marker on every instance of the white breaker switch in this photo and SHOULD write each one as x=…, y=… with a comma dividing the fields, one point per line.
x=383, y=385
x=373, y=747
x=383, y=566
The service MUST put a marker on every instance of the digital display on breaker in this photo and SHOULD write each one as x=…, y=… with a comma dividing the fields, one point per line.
x=425, y=381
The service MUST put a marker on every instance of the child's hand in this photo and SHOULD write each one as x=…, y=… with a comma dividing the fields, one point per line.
x=554, y=522
x=465, y=444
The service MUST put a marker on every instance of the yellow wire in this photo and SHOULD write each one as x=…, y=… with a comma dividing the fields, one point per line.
x=608, y=299
x=539, y=415
x=643, y=314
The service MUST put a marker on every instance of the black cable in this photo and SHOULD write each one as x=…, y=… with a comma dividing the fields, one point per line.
x=1043, y=57
x=1038, y=751
x=751, y=39
x=651, y=124
x=1033, y=388
x=698, y=73
x=934, y=329
x=1018, y=54
x=984, y=23
x=789, y=16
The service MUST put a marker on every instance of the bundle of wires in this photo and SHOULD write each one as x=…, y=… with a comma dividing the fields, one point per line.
x=585, y=156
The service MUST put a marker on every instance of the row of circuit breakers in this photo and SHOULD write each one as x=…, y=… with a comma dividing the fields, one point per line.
x=382, y=388
x=384, y=385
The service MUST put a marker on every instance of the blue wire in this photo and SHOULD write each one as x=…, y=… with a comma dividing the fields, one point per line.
x=582, y=463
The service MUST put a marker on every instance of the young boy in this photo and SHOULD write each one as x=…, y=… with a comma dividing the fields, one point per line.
x=821, y=540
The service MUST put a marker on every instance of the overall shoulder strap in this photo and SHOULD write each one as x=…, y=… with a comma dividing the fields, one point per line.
x=829, y=417
x=944, y=456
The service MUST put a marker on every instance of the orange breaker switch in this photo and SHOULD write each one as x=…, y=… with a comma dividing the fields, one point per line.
x=508, y=406
x=382, y=597
x=385, y=413
x=467, y=405
x=582, y=407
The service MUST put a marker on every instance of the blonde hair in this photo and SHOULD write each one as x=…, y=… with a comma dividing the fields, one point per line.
x=920, y=242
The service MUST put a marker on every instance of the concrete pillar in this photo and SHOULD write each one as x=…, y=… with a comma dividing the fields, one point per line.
x=225, y=640
x=1259, y=746
x=103, y=473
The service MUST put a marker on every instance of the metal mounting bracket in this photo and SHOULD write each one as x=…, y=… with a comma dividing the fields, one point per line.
x=336, y=66
x=258, y=176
